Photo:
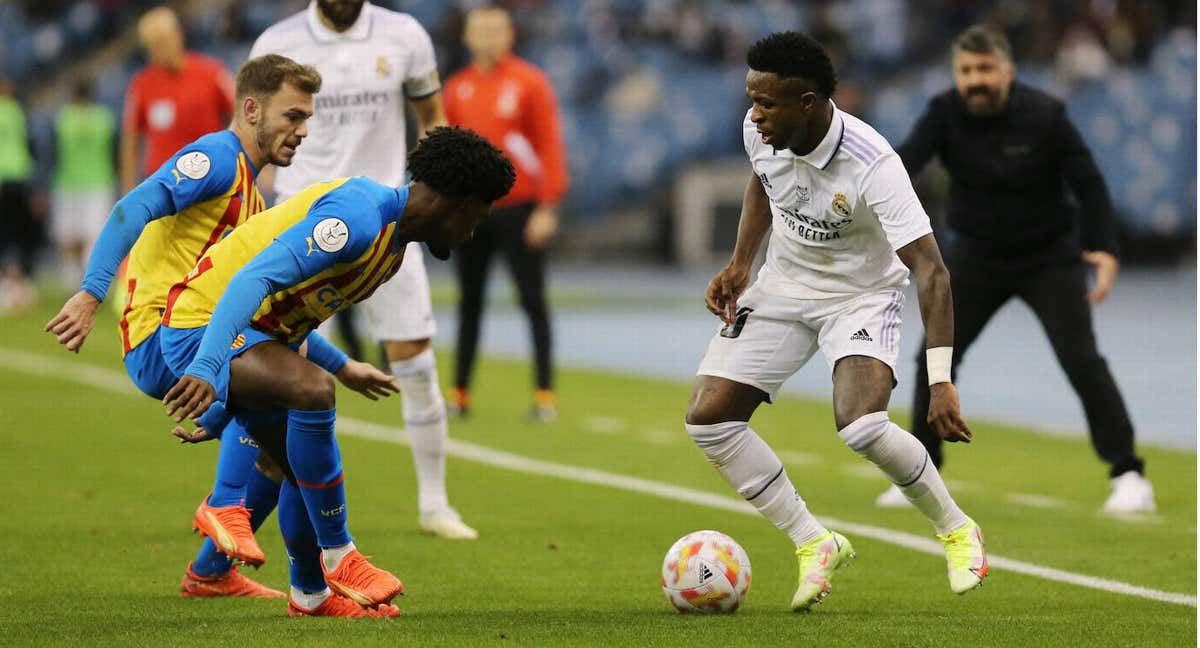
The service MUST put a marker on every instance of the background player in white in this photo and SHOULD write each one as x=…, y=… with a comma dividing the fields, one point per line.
x=844, y=224
x=373, y=61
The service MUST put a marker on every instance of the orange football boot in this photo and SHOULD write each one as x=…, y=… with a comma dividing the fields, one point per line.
x=230, y=583
x=229, y=527
x=340, y=606
x=362, y=582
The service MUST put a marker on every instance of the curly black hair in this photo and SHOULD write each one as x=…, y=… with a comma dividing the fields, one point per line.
x=460, y=163
x=795, y=55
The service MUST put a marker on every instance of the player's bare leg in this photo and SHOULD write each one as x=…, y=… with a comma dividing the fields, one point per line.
x=718, y=421
x=424, y=409
x=862, y=387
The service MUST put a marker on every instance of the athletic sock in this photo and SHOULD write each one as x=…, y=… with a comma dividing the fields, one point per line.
x=261, y=495
x=753, y=469
x=331, y=557
x=235, y=462
x=907, y=464
x=425, y=420
x=300, y=540
x=313, y=454
x=309, y=601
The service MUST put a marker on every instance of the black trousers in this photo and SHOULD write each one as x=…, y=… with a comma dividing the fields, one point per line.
x=22, y=233
x=1057, y=293
x=503, y=230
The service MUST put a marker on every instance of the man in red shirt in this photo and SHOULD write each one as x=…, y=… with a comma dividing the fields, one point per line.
x=174, y=100
x=511, y=103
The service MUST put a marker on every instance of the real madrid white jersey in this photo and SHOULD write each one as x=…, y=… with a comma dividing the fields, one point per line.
x=838, y=213
x=368, y=71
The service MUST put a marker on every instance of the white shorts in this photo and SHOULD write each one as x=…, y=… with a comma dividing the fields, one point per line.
x=78, y=216
x=401, y=309
x=774, y=336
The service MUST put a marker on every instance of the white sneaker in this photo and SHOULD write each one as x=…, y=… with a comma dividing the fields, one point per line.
x=892, y=498
x=447, y=524
x=1132, y=493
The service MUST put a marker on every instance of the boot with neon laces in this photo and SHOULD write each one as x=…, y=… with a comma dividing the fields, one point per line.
x=458, y=406
x=966, y=560
x=1132, y=493
x=231, y=583
x=348, y=573
x=229, y=527
x=336, y=605
x=447, y=524
x=818, y=560
x=545, y=406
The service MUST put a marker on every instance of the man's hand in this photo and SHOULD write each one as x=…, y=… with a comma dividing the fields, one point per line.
x=541, y=227
x=74, y=321
x=724, y=290
x=189, y=399
x=944, y=413
x=1106, y=266
x=365, y=379
x=199, y=435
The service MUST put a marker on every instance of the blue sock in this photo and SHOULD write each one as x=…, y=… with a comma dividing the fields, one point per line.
x=235, y=462
x=313, y=453
x=261, y=496
x=304, y=556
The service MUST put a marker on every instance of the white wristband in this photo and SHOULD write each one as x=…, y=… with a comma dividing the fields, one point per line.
x=937, y=361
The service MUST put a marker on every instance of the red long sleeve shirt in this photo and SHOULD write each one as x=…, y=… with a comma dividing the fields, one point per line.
x=171, y=109
x=513, y=106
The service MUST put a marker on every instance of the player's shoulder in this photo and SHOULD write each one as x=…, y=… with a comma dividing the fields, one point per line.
x=213, y=155
x=284, y=31
x=862, y=142
x=527, y=69
x=1035, y=101
x=394, y=25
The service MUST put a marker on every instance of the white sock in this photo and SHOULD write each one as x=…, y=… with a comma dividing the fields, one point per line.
x=753, y=469
x=425, y=420
x=332, y=556
x=309, y=601
x=906, y=463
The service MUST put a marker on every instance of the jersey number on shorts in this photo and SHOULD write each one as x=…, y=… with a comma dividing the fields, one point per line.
x=735, y=329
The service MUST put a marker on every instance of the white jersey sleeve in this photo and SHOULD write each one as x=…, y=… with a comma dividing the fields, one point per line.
x=421, y=78
x=887, y=191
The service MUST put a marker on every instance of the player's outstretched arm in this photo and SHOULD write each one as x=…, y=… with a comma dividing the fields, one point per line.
x=362, y=377
x=937, y=312
x=727, y=286
x=74, y=321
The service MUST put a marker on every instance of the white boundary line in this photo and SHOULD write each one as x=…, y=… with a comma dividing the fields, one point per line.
x=115, y=381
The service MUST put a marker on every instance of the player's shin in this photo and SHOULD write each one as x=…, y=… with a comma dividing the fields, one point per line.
x=753, y=469
x=425, y=420
x=312, y=451
x=235, y=462
x=304, y=556
x=906, y=463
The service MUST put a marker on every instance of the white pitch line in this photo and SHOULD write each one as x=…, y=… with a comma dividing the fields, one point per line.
x=115, y=381
x=1035, y=501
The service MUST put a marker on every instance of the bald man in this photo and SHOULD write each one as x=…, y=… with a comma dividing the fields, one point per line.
x=178, y=97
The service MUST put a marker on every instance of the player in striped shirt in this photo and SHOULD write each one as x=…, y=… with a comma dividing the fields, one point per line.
x=165, y=225
x=232, y=329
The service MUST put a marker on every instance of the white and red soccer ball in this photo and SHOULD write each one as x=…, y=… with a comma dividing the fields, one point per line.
x=706, y=572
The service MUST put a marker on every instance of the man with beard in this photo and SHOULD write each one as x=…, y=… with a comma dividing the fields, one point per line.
x=374, y=61
x=1010, y=150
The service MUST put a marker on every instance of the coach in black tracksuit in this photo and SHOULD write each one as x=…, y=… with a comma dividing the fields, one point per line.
x=1011, y=153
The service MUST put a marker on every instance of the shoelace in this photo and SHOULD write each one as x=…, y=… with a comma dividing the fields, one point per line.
x=958, y=548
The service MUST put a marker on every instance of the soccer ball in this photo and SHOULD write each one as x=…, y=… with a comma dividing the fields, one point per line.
x=706, y=572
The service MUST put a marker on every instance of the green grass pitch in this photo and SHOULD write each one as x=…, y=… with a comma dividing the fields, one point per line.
x=97, y=500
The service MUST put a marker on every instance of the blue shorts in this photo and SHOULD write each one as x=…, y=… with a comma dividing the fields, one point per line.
x=179, y=347
x=147, y=369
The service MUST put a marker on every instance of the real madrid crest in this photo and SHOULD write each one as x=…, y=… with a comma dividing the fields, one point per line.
x=840, y=205
x=382, y=67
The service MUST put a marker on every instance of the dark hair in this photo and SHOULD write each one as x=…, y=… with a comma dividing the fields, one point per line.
x=795, y=55
x=981, y=39
x=263, y=76
x=460, y=163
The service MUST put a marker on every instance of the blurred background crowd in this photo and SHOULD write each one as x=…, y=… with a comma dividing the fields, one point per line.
x=652, y=94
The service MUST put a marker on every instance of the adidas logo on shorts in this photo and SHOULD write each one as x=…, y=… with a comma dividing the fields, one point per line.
x=861, y=335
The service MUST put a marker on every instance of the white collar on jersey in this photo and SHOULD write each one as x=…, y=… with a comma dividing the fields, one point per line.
x=360, y=30
x=822, y=155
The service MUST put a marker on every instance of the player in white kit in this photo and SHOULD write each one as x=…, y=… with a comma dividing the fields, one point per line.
x=846, y=229
x=373, y=61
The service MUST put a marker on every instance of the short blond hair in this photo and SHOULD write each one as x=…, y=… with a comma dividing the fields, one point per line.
x=263, y=76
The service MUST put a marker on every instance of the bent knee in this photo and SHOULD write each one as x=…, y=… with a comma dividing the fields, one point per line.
x=314, y=392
